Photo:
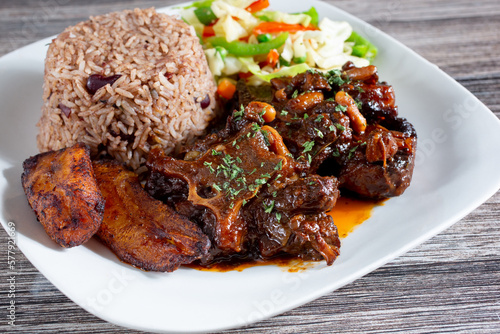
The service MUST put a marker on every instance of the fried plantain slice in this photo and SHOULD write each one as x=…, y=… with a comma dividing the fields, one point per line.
x=143, y=231
x=61, y=189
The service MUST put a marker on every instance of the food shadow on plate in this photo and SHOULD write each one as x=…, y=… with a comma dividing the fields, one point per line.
x=95, y=246
x=20, y=113
x=17, y=210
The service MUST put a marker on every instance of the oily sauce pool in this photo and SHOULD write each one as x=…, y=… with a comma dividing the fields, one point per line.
x=347, y=215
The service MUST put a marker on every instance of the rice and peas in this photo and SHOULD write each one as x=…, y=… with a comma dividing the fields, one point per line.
x=126, y=81
x=164, y=92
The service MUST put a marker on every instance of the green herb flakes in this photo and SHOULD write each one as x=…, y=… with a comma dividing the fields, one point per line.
x=340, y=108
x=269, y=208
x=308, y=146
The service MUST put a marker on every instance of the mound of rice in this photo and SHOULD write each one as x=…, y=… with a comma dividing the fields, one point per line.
x=164, y=94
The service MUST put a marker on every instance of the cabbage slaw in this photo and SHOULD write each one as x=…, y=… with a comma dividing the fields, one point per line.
x=242, y=38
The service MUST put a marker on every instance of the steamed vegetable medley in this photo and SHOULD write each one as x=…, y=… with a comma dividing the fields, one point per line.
x=242, y=39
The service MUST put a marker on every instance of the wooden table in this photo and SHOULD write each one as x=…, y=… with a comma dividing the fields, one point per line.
x=450, y=284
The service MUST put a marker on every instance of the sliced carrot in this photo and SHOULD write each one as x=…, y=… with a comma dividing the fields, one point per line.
x=226, y=88
x=272, y=57
x=276, y=27
x=258, y=6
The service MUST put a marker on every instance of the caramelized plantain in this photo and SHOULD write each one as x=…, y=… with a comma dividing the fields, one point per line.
x=143, y=231
x=61, y=189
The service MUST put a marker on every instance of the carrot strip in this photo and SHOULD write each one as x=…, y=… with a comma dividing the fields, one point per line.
x=275, y=27
x=258, y=6
x=272, y=57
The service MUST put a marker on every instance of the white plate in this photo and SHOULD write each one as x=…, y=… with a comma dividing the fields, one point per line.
x=456, y=171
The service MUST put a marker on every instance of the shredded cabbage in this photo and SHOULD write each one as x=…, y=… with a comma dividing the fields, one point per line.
x=275, y=16
x=253, y=67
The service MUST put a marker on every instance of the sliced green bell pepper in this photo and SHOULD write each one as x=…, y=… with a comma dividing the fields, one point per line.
x=362, y=47
x=313, y=13
x=242, y=49
x=205, y=15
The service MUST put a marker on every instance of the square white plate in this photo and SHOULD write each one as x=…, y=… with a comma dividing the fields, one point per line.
x=456, y=170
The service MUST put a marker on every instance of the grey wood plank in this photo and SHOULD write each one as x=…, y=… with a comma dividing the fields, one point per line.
x=450, y=284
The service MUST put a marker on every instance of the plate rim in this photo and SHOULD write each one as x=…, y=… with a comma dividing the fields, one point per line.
x=492, y=189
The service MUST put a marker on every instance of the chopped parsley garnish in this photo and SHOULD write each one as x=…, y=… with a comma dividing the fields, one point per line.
x=320, y=134
x=214, y=152
x=334, y=77
x=260, y=182
x=279, y=166
x=228, y=160
x=255, y=127
x=340, y=108
x=216, y=187
x=284, y=112
x=268, y=208
x=209, y=165
x=278, y=216
x=306, y=116
x=340, y=127
x=295, y=94
x=353, y=150
x=266, y=138
x=319, y=118
x=237, y=115
x=308, y=146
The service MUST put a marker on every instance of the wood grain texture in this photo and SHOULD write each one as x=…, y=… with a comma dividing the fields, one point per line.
x=450, y=284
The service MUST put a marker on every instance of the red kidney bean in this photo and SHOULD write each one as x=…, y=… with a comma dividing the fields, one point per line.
x=66, y=110
x=96, y=81
x=205, y=102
